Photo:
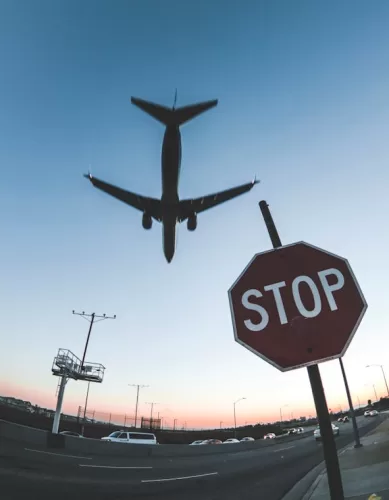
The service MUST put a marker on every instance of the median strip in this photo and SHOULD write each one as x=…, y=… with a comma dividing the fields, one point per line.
x=57, y=454
x=112, y=467
x=178, y=478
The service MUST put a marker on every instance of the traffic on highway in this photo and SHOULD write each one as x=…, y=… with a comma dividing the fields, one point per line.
x=272, y=469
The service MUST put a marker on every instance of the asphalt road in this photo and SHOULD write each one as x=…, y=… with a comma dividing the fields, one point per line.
x=268, y=472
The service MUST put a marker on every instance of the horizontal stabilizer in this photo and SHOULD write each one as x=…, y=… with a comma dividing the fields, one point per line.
x=171, y=116
x=183, y=115
x=160, y=113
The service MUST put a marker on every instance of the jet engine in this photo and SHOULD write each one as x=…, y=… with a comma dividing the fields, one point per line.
x=192, y=222
x=147, y=221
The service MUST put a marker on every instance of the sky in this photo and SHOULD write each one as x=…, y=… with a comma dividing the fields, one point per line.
x=303, y=104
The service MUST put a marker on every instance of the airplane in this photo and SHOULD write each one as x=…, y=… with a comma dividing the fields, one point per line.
x=170, y=210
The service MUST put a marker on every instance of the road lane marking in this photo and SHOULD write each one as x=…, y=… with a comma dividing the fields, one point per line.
x=178, y=478
x=282, y=449
x=112, y=467
x=58, y=454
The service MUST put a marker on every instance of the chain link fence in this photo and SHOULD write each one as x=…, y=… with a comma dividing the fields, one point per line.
x=99, y=417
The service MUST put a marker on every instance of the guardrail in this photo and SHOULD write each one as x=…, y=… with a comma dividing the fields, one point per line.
x=45, y=439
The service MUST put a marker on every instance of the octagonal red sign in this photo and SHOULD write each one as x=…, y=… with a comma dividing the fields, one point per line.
x=296, y=306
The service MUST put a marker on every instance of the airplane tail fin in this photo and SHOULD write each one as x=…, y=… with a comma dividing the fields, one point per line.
x=174, y=116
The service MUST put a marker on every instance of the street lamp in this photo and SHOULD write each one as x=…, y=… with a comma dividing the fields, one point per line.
x=237, y=401
x=383, y=374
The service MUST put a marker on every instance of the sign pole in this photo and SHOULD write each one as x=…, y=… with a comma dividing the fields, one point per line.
x=350, y=404
x=329, y=447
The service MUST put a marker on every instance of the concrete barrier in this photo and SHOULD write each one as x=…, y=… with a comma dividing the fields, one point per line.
x=86, y=446
x=17, y=432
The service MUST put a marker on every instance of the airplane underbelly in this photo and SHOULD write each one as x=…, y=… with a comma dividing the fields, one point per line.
x=171, y=161
x=169, y=239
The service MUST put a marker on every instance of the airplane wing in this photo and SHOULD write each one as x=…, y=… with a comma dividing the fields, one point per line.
x=150, y=205
x=198, y=205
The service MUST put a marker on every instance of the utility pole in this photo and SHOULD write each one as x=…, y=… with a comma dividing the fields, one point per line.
x=138, y=386
x=92, y=318
x=221, y=423
x=151, y=413
x=174, y=424
x=281, y=411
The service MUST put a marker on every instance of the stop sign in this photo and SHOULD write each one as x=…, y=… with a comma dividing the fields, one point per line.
x=296, y=306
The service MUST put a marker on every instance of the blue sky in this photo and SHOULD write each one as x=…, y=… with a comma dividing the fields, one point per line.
x=303, y=104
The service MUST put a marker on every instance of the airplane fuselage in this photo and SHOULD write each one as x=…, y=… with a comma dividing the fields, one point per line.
x=171, y=165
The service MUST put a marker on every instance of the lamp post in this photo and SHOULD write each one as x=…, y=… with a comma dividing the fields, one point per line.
x=383, y=374
x=237, y=401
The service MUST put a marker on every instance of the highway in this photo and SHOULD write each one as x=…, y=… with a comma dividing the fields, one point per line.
x=268, y=472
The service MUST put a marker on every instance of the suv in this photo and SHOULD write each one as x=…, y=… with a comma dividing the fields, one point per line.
x=131, y=437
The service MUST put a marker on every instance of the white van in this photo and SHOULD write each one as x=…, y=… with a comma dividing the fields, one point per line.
x=131, y=437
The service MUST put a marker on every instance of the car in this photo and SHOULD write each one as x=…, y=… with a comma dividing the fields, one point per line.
x=367, y=413
x=71, y=433
x=317, y=435
x=197, y=442
x=343, y=419
x=299, y=430
x=211, y=441
x=270, y=435
x=131, y=437
x=292, y=431
x=374, y=413
x=247, y=439
x=231, y=441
